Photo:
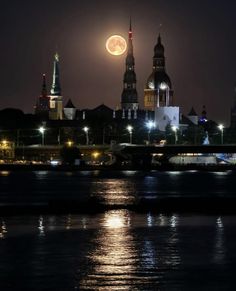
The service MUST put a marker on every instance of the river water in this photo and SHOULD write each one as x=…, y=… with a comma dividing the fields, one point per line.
x=116, y=249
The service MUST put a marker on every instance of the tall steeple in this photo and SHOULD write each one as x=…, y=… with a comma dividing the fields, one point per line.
x=56, y=102
x=56, y=87
x=129, y=97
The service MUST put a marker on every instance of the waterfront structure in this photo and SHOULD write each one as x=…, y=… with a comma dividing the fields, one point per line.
x=129, y=97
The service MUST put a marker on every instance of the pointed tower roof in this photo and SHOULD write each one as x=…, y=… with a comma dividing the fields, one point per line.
x=159, y=49
x=192, y=112
x=56, y=87
x=69, y=104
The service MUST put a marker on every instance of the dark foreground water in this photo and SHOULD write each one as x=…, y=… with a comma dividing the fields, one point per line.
x=116, y=249
x=91, y=189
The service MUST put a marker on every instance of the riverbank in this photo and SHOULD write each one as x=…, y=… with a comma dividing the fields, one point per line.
x=164, y=167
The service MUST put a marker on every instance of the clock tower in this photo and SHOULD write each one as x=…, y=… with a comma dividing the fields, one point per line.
x=129, y=97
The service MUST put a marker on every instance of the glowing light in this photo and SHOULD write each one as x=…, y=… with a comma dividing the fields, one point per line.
x=69, y=143
x=4, y=142
x=42, y=129
x=163, y=86
x=174, y=128
x=150, y=124
x=85, y=129
x=221, y=126
x=116, y=45
x=115, y=220
x=95, y=154
x=129, y=128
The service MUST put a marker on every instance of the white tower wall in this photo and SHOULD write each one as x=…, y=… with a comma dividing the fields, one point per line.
x=166, y=115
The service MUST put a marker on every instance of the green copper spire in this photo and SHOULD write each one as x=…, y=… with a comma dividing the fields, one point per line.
x=56, y=87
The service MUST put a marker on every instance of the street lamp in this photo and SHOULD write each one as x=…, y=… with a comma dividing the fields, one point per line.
x=150, y=124
x=175, y=128
x=42, y=130
x=130, y=130
x=221, y=128
x=86, y=130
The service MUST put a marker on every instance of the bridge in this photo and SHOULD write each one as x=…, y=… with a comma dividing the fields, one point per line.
x=175, y=149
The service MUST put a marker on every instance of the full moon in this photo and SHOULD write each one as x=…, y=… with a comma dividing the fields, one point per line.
x=116, y=45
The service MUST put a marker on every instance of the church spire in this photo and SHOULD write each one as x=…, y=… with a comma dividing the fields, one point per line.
x=129, y=98
x=44, y=87
x=56, y=87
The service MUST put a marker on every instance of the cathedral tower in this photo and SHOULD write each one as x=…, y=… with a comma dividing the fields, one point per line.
x=129, y=97
x=158, y=91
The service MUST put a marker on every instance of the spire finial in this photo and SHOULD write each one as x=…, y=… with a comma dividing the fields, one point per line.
x=130, y=28
x=57, y=57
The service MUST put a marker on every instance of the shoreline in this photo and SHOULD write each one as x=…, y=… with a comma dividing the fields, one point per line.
x=165, y=167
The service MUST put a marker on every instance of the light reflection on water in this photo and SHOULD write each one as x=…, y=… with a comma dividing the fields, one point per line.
x=4, y=173
x=118, y=250
x=115, y=257
x=114, y=191
x=3, y=229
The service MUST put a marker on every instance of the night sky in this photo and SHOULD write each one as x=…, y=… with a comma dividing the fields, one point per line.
x=199, y=39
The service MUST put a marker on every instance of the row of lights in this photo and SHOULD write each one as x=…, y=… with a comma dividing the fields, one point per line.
x=150, y=125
